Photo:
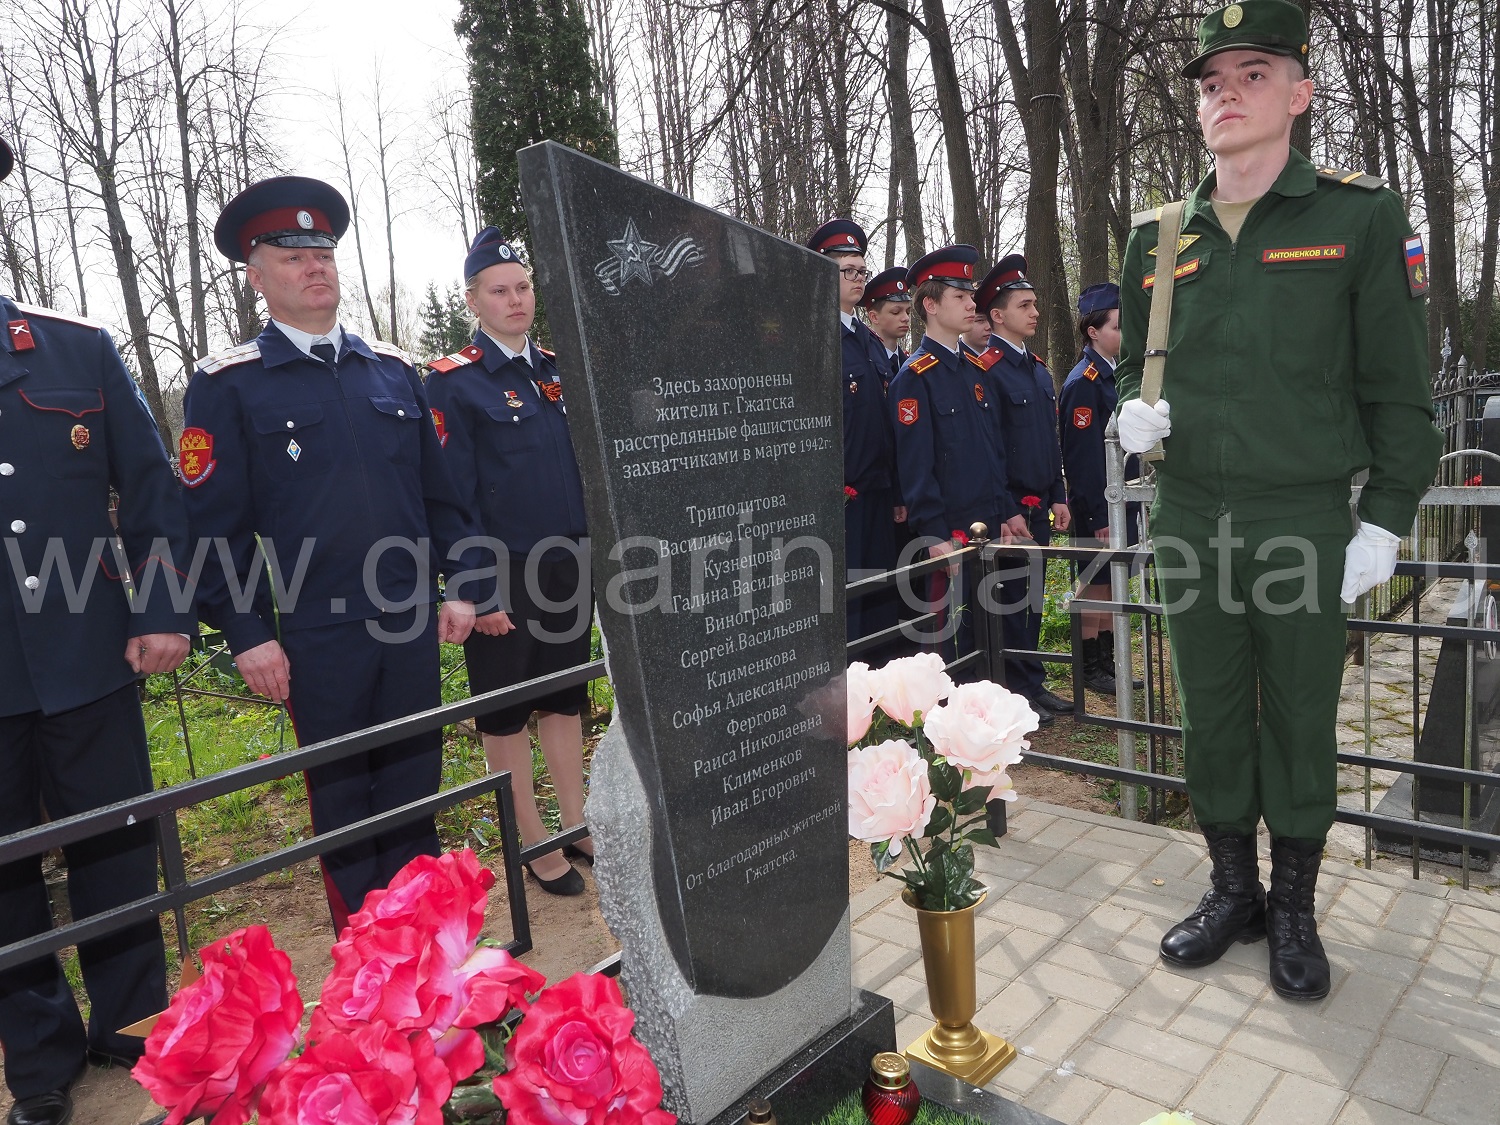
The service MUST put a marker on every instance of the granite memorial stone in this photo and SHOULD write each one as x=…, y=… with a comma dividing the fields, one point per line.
x=701, y=362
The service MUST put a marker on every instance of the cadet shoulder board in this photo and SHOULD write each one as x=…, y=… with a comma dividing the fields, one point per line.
x=220, y=360
x=457, y=359
x=924, y=362
x=1352, y=179
x=380, y=347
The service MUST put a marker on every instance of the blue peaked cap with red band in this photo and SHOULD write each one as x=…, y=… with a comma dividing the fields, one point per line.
x=488, y=249
x=839, y=236
x=888, y=285
x=282, y=211
x=1099, y=298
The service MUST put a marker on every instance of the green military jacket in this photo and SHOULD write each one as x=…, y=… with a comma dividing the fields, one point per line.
x=1296, y=357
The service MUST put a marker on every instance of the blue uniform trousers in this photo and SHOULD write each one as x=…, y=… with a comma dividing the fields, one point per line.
x=344, y=679
x=73, y=762
x=1020, y=600
x=870, y=548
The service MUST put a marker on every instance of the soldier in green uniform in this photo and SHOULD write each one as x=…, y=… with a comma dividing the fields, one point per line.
x=1296, y=358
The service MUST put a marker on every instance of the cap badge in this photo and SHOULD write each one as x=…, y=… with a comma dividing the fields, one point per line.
x=80, y=437
x=505, y=254
x=900, y=287
x=305, y=220
x=1232, y=15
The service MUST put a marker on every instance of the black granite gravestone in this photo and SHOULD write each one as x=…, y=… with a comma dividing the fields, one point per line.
x=702, y=366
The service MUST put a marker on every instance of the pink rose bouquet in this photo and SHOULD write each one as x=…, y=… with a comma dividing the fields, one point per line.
x=417, y=1022
x=948, y=758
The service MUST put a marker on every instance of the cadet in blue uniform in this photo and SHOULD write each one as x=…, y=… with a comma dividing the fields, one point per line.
x=1084, y=406
x=73, y=426
x=887, y=304
x=949, y=448
x=1028, y=417
x=499, y=410
x=321, y=444
x=869, y=504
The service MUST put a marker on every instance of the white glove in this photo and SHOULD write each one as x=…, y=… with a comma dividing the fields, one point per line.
x=1142, y=426
x=1369, y=560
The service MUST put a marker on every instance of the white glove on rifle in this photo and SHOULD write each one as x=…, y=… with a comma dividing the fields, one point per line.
x=1369, y=560
x=1142, y=426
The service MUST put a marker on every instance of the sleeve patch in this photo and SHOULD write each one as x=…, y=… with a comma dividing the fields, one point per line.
x=1083, y=417
x=195, y=456
x=1415, y=258
x=437, y=424
x=906, y=411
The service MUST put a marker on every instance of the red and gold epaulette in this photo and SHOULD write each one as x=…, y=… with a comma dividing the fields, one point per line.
x=924, y=363
x=1039, y=359
x=456, y=360
x=548, y=352
x=985, y=359
x=1091, y=373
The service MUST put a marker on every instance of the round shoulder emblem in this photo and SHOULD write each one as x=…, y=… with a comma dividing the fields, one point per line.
x=304, y=220
x=1232, y=15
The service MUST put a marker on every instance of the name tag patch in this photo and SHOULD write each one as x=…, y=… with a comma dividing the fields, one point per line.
x=1303, y=254
x=1180, y=272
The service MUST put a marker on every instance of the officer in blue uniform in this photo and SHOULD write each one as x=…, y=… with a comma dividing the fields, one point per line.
x=949, y=447
x=1084, y=406
x=500, y=413
x=869, y=503
x=887, y=305
x=1028, y=417
x=73, y=426
x=321, y=444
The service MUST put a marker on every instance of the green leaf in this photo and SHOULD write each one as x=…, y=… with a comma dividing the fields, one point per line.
x=971, y=801
x=946, y=781
x=881, y=854
x=982, y=836
x=941, y=821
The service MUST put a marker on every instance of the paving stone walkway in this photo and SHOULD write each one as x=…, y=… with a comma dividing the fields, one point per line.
x=1108, y=1035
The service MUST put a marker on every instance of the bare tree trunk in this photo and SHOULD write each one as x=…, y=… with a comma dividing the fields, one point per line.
x=967, y=226
x=1489, y=167
x=1036, y=78
x=904, y=173
x=384, y=162
x=1095, y=56
x=181, y=83
x=346, y=153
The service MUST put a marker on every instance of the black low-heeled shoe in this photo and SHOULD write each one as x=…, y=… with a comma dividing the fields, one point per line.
x=52, y=1108
x=573, y=852
x=566, y=885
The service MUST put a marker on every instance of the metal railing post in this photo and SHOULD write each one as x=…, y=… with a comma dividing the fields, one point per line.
x=1119, y=591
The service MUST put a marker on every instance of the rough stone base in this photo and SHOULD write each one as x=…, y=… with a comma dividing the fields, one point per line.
x=1397, y=802
x=710, y=1049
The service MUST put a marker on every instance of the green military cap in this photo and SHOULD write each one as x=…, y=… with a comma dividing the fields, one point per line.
x=1251, y=25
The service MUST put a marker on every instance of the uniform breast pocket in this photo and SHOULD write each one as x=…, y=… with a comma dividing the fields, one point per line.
x=293, y=442
x=396, y=422
x=68, y=424
x=515, y=429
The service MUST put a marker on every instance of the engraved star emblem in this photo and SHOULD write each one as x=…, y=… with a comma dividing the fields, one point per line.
x=634, y=254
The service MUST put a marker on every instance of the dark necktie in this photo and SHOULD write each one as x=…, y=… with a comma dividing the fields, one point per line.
x=524, y=360
x=324, y=351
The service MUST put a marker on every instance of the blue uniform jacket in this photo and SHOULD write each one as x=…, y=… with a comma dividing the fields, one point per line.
x=949, y=447
x=505, y=438
x=346, y=467
x=72, y=426
x=1028, y=416
x=868, y=446
x=1084, y=407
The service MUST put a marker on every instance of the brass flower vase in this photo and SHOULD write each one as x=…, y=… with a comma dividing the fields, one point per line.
x=953, y=1044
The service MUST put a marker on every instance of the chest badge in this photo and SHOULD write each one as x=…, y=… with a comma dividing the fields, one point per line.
x=512, y=400
x=20, y=336
x=79, y=437
x=978, y=393
x=293, y=450
x=438, y=425
x=853, y=387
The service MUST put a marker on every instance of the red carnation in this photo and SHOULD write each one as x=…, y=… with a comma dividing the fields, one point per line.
x=1031, y=501
x=214, y=1047
x=574, y=1061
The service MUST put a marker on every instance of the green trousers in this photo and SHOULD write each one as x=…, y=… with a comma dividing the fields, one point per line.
x=1257, y=635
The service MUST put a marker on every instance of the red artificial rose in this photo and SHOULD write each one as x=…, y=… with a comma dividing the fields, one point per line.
x=446, y=894
x=370, y=1074
x=573, y=1061
x=213, y=1048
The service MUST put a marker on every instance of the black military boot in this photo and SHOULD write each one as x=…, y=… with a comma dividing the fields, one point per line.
x=1299, y=967
x=1234, y=909
x=1107, y=658
x=1096, y=673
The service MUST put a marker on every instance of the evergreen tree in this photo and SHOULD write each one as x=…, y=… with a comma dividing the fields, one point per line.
x=446, y=324
x=531, y=79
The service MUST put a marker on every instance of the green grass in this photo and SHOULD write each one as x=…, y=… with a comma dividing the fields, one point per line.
x=851, y=1111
